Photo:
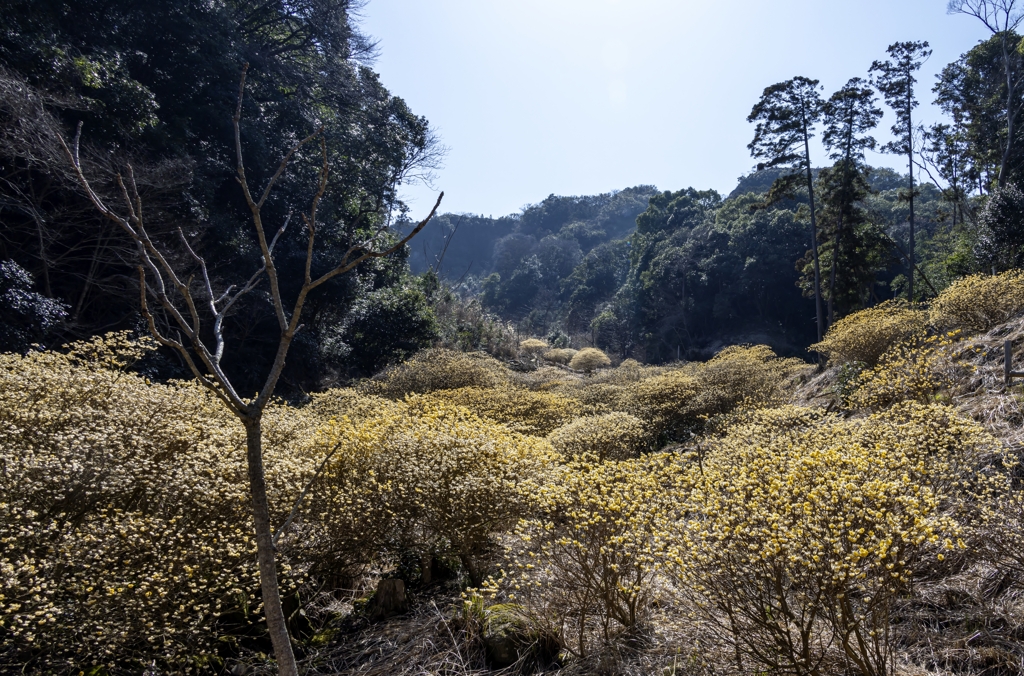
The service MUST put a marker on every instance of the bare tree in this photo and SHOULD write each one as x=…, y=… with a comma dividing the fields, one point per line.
x=1002, y=18
x=195, y=314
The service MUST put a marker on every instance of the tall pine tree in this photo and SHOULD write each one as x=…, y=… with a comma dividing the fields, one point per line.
x=786, y=117
x=848, y=117
x=895, y=80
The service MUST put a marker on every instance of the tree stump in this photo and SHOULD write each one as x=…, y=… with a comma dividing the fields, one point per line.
x=389, y=600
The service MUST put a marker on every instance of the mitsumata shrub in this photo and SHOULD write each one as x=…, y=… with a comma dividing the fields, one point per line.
x=612, y=436
x=915, y=370
x=589, y=359
x=799, y=529
x=533, y=346
x=781, y=539
x=560, y=355
x=583, y=568
x=681, y=399
x=864, y=336
x=425, y=477
x=979, y=302
x=439, y=369
x=124, y=513
x=521, y=410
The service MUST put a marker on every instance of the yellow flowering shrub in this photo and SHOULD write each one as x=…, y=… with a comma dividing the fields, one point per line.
x=583, y=568
x=350, y=403
x=125, y=523
x=612, y=436
x=979, y=302
x=909, y=371
x=524, y=411
x=681, y=398
x=865, y=335
x=797, y=529
x=589, y=359
x=1002, y=535
x=533, y=346
x=430, y=477
x=560, y=355
x=439, y=369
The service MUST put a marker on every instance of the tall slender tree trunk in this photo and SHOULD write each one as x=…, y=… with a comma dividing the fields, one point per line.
x=1010, y=114
x=832, y=272
x=276, y=623
x=910, y=165
x=814, y=240
x=43, y=258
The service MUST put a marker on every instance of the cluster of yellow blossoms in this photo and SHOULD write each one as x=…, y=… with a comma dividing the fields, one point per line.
x=787, y=532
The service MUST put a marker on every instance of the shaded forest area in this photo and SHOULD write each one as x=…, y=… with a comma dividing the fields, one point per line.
x=155, y=84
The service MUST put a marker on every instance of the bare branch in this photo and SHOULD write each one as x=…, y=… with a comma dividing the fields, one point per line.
x=999, y=16
x=255, y=207
x=345, y=266
x=302, y=495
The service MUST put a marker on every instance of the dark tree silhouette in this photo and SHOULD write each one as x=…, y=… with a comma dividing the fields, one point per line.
x=786, y=116
x=848, y=117
x=895, y=80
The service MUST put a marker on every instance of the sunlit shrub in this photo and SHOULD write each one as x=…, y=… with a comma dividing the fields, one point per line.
x=125, y=517
x=439, y=369
x=798, y=529
x=680, y=399
x=979, y=302
x=521, y=410
x=589, y=359
x=560, y=355
x=612, y=436
x=533, y=346
x=909, y=371
x=431, y=478
x=585, y=565
x=350, y=403
x=865, y=335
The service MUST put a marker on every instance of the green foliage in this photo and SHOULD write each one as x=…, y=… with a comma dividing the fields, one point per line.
x=386, y=326
x=26, y=316
x=157, y=85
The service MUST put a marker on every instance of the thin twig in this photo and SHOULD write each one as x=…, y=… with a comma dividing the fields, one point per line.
x=302, y=495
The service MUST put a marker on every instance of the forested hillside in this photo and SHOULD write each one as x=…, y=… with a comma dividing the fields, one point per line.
x=662, y=275
x=156, y=84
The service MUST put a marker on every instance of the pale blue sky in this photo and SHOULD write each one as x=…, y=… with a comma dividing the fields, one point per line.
x=577, y=97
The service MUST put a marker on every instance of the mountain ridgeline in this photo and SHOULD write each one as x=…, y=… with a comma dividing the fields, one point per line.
x=665, y=275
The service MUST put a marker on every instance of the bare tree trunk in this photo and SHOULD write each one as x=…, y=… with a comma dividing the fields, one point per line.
x=832, y=272
x=42, y=254
x=910, y=252
x=814, y=243
x=1010, y=114
x=276, y=623
x=89, y=277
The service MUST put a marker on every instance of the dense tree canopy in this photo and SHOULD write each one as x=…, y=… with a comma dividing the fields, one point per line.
x=156, y=83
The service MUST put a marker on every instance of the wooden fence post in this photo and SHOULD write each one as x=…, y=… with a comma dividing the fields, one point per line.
x=1008, y=373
